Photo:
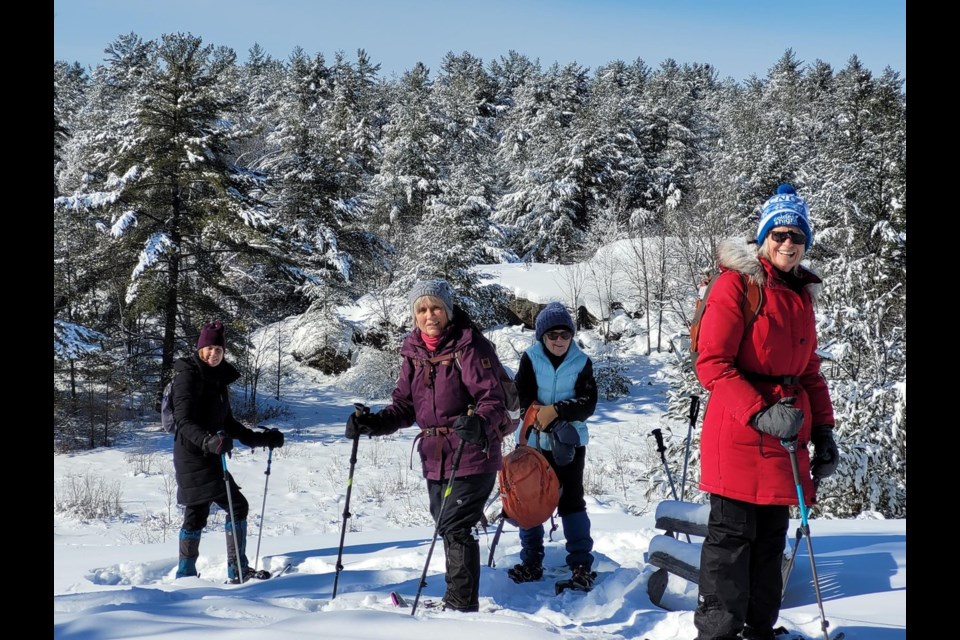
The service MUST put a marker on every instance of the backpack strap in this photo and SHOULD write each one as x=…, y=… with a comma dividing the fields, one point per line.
x=752, y=299
x=428, y=365
x=524, y=434
x=749, y=305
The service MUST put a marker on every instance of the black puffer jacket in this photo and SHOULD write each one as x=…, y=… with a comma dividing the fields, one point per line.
x=201, y=406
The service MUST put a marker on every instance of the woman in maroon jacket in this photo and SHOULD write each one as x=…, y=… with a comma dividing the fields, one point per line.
x=765, y=386
x=447, y=367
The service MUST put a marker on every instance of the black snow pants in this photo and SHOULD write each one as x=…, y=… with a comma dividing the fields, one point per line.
x=740, y=568
x=462, y=510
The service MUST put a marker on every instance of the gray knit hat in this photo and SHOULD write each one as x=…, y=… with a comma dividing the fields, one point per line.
x=553, y=315
x=436, y=288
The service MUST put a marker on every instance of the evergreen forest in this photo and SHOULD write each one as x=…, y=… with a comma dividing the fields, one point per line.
x=189, y=185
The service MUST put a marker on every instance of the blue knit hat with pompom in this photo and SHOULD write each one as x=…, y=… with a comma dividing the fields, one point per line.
x=785, y=209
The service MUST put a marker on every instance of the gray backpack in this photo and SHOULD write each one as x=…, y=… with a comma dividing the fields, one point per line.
x=166, y=407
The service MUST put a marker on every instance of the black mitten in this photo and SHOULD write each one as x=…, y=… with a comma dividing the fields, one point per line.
x=273, y=439
x=826, y=456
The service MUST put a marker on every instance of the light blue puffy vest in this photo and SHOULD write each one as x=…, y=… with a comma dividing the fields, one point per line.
x=554, y=385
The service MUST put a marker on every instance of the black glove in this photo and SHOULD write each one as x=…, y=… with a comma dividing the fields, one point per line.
x=218, y=443
x=368, y=423
x=781, y=420
x=471, y=429
x=826, y=456
x=271, y=438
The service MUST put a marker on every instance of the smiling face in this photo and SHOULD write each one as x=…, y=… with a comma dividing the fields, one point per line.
x=431, y=315
x=783, y=247
x=212, y=355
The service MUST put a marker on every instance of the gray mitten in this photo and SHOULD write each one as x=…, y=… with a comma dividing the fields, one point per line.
x=781, y=420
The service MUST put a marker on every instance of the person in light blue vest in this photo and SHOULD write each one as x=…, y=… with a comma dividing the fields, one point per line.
x=556, y=375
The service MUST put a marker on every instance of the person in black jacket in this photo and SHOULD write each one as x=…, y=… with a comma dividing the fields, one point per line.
x=205, y=432
x=555, y=375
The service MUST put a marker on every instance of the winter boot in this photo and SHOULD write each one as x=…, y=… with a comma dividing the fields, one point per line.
x=583, y=577
x=189, y=552
x=233, y=576
x=526, y=572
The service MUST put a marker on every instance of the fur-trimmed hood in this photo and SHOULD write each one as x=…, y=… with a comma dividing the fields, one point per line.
x=741, y=254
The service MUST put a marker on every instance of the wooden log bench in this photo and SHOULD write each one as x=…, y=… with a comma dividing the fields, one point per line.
x=670, y=551
x=677, y=552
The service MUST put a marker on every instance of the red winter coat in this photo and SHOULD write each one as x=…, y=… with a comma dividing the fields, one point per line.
x=736, y=460
x=435, y=396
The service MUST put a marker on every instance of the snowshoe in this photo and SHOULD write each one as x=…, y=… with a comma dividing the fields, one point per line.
x=250, y=574
x=581, y=580
x=525, y=573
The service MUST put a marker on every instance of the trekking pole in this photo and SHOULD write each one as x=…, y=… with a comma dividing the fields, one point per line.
x=443, y=503
x=694, y=412
x=496, y=539
x=791, y=447
x=233, y=523
x=263, y=508
x=788, y=569
x=359, y=410
x=662, y=450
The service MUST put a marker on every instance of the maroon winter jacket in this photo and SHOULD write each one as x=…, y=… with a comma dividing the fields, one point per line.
x=736, y=460
x=436, y=395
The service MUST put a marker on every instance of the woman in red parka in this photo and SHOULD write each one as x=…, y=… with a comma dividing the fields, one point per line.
x=765, y=386
x=436, y=395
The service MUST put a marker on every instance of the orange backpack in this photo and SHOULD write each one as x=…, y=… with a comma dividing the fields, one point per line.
x=750, y=306
x=529, y=487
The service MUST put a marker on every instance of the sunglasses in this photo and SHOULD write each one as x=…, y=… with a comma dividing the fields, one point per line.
x=559, y=335
x=795, y=236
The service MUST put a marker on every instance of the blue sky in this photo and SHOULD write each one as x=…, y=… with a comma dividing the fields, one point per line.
x=738, y=37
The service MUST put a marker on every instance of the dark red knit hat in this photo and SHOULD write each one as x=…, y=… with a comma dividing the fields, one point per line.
x=211, y=335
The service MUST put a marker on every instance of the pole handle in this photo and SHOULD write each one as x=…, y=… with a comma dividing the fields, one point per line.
x=656, y=433
x=694, y=409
